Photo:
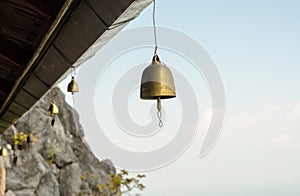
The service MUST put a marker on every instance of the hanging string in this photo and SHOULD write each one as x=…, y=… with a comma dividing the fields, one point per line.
x=74, y=71
x=73, y=97
x=28, y=128
x=53, y=115
x=27, y=125
x=154, y=28
x=73, y=74
x=159, y=113
x=30, y=138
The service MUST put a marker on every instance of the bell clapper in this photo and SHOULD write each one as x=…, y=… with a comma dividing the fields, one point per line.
x=53, y=121
x=159, y=113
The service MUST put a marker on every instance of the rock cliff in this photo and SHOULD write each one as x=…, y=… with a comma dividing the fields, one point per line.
x=56, y=161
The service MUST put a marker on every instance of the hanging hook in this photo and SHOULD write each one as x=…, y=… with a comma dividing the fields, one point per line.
x=73, y=74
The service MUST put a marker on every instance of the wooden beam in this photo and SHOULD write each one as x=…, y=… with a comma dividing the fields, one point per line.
x=16, y=54
x=48, y=7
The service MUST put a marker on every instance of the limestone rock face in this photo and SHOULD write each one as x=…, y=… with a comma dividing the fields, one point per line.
x=59, y=162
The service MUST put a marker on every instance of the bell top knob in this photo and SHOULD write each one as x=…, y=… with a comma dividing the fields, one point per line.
x=156, y=59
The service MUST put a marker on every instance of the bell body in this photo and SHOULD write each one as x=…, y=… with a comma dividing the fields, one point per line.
x=53, y=109
x=157, y=81
x=3, y=152
x=73, y=86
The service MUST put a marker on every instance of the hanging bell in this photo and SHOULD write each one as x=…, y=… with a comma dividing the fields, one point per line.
x=73, y=86
x=3, y=152
x=157, y=81
x=53, y=109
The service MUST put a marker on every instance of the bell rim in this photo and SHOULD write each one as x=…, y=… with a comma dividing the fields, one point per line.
x=156, y=97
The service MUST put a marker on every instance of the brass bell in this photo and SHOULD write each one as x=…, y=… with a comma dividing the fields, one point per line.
x=53, y=109
x=157, y=83
x=73, y=86
x=3, y=152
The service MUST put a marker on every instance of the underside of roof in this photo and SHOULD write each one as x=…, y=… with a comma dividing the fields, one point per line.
x=40, y=40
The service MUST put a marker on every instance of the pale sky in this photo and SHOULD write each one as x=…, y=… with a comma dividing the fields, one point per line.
x=256, y=46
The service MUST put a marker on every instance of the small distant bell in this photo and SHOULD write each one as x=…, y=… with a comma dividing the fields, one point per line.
x=53, y=109
x=3, y=152
x=73, y=86
x=157, y=81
